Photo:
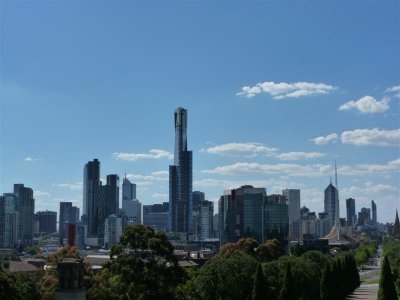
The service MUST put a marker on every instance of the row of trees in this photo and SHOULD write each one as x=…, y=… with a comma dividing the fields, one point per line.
x=142, y=266
x=365, y=251
x=390, y=275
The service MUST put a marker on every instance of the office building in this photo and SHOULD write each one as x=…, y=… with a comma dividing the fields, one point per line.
x=351, y=211
x=71, y=234
x=180, y=179
x=206, y=213
x=9, y=218
x=373, y=208
x=156, y=216
x=113, y=231
x=241, y=214
x=128, y=194
x=293, y=202
x=26, y=207
x=47, y=221
x=91, y=186
x=276, y=218
x=364, y=216
x=64, y=218
x=81, y=235
x=108, y=202
x=331, y=202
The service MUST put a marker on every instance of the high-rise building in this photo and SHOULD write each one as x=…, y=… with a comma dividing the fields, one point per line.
x=26, y=208
x=108, y=202
x=156, y=216
x=331, y=202
x=364, y=216
x=293, y=202
x=180, y=179
x=9, y=220
x=113, y=230
x=47, y=221
x=396, y=225
x=197, y=197
x=130, y=205
x=276, y=218
x=373, y=208
x=91, y=186
x=351, y=211
x=64, y=219
x=241, y=214
x=206, y=213
x=71, y=234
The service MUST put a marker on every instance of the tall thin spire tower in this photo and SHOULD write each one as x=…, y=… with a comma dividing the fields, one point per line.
x=337, y=216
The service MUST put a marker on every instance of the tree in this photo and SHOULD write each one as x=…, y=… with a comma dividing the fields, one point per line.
x=287, y=291
x=142, y=266
x=226, y=278
x=260, y=291
x=270, y=250
x=8, y=288
x=387, y=290
x=327, y=287
x=297, y=250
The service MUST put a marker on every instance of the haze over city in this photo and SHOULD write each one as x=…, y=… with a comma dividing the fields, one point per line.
x=273, y=100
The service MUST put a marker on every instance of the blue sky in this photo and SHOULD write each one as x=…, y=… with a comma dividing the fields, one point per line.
x=275, y=93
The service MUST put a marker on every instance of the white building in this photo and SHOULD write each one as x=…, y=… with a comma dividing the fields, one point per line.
x=130, y=205
x=112, y=230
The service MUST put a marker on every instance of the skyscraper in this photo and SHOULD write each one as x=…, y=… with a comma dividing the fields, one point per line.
x=64, y=219
x=130, y=205
x=293, y=202
x=206, y=214
x=351, y=211
x=373, y=208
x=91, y=184
x=241, y=214
x=26, y=208
x=47, y=221
x=331, y=199
x=108, y=202
x=180, y=179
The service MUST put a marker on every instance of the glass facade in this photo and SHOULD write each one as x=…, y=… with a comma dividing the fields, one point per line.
x=276, y=221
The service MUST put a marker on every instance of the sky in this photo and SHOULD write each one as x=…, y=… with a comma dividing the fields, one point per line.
x=275, y=92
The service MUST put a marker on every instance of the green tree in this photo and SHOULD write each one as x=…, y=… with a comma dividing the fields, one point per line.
x=8, y=288
x=288, y=291
x=142, y=266
x=260, y=291
x=297, y=250
x=327, y=289
x=387, y=290
x=226, y=278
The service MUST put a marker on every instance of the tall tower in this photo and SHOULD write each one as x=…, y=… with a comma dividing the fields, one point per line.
x=373, y=208
x=293, y=201
x=180, y=179
x=91, y=184
x=26, y=208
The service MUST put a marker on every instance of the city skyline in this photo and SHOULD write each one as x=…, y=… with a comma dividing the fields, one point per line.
x=260, y=112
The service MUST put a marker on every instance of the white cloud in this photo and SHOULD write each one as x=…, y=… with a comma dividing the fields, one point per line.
x=37, y=193
x=153, y=153
x=300, y=155
x=323, y=140
x=160, y=196
x=367, y=105
x=241, y=149
x=368, y=189
x=374, y=137
x=286, y=90
x=30, y=159
x=71, y=186
x=395, y=90
x=148, y=179
x=313, y=170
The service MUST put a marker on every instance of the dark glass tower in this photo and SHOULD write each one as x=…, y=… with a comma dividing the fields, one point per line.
x=26, y=208
x=180, y=179
x=91, y=183
x=373, y=207
x=351, y=211
x=331, y=200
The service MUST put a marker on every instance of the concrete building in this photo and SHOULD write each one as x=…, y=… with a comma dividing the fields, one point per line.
x=113, y=231
x=206, y=213
x=364, y=216
x=130, y=205
x=180, y=179
x=156, y=216
x=276, y=218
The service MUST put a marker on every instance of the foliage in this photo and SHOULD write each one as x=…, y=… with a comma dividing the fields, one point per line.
x=387, y=289
x=270, y=250
x=142, y=266
x=327, y=288
x=243, y=246
x=225, y=278
x=260, y=289
x=297, y=250
x=392, y=251
x=288, y=290
x=8, y=287
x=33, y=250
x=365, y=251
x=318, y=258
